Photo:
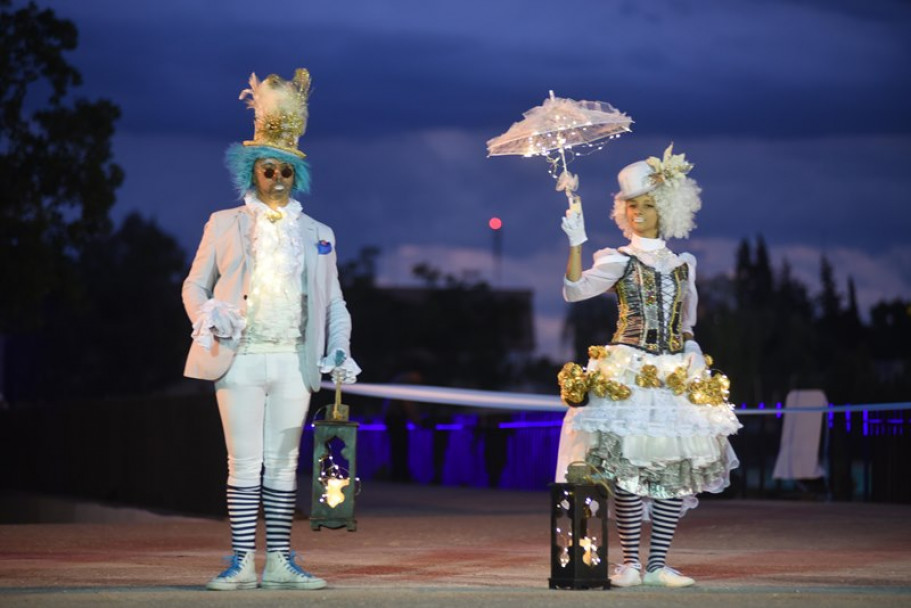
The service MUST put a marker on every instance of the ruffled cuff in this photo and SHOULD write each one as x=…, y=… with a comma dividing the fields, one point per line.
x=217, y=319
x=346, y=371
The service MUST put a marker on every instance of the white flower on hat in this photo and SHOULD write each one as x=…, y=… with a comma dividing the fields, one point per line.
x=671, y=169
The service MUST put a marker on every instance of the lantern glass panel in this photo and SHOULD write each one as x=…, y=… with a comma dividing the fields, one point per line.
x=590, y=540
x=564, y=535
x=333, y=473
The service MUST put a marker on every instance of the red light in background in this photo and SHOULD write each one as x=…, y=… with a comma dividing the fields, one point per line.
x=495, y=223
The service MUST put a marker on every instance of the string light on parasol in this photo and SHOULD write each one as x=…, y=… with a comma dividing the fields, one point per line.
x=556, y=130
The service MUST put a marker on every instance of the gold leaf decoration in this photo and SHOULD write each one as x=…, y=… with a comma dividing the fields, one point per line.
x=648, y=377
x=676, y=381
x=573, y=383
x=597, y=352
x=713, y=390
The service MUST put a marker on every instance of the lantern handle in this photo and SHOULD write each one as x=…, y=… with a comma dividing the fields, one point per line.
x=338, y=398
x=339, y=411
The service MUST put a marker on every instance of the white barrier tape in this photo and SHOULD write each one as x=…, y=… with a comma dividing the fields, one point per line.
x=456, y=396
x=547, y=403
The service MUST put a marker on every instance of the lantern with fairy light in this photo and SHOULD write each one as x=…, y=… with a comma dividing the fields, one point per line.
x=334, y=468
x=578, y=533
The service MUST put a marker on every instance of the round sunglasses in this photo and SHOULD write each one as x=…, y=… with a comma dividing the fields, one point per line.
x=269, y=172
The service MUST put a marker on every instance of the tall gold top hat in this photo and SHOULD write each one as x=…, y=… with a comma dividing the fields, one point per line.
x=281, y=110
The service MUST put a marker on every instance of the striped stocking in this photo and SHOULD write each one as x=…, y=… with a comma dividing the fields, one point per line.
x=278, y=506
x=243, y=509
x=628, y=509
x=665, y=515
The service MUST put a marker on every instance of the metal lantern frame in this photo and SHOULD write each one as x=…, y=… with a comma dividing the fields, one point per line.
x=578, y=536
x=333, y=491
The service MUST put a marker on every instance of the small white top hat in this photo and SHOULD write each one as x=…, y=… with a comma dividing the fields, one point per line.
x=635, y=180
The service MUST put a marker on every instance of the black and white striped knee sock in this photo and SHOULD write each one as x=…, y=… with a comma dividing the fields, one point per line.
x=665, y=515
x=628, y=509
x=278, y=506
x=243, y=509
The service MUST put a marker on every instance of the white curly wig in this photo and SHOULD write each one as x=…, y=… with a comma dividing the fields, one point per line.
x=665, y=179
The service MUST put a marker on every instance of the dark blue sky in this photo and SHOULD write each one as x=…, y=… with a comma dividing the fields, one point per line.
x=794, y=112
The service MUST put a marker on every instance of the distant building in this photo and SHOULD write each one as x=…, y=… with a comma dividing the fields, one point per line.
x=461, y=335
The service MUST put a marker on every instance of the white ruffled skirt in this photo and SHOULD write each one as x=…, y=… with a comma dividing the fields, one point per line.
x=655, y=443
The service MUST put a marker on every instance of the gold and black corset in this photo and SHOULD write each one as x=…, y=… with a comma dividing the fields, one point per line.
x=650, y=305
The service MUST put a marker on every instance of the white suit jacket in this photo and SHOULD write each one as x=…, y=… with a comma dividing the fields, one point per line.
x=221, y=270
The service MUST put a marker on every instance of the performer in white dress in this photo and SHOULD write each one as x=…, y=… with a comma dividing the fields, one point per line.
x=656, y=419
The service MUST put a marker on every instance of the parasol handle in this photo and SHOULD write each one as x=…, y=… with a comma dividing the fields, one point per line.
x=573, y=200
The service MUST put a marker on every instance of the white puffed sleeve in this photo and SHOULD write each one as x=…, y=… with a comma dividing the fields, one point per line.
x=691, y=298
x=608, y=267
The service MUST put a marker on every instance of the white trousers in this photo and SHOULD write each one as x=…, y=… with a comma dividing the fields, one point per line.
x=263, y=403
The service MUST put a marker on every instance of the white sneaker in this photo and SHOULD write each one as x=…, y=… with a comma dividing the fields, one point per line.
x=626, y=575
x=282, y=573
x=240, y=574
x=667, y=577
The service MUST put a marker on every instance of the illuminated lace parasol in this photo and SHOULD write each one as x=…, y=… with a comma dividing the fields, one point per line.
x=555, y=128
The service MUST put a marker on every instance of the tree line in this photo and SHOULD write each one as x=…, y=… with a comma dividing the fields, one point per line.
x=771, y=335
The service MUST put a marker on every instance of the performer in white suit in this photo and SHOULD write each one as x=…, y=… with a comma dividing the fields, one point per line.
x=268, y=318
x=657, y=420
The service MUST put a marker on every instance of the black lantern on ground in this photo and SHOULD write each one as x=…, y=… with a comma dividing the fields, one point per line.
x=578, y=536
x=334, y=468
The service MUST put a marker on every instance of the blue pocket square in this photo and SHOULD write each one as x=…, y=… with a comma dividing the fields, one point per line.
x=324, y=247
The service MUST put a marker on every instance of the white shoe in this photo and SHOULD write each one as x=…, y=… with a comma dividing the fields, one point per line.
x=667, y=577
x=282, y=573
x=626, y=575
x=240, y=574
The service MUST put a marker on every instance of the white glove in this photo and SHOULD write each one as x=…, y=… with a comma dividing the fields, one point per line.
x=692, y=348
x=340, y=367
x=573, y=225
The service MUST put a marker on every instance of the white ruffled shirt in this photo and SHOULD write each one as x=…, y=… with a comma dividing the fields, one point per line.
x=275, y=304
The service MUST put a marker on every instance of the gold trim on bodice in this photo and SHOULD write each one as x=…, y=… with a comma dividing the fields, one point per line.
x=650, y=307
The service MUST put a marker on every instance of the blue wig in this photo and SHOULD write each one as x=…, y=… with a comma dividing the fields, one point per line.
x=240, y=159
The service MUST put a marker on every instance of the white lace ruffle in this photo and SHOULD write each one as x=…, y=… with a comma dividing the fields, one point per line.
x=652, y=412
x=274, y=304
x=652, y=252
x=205, y=327
x=347, y=371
